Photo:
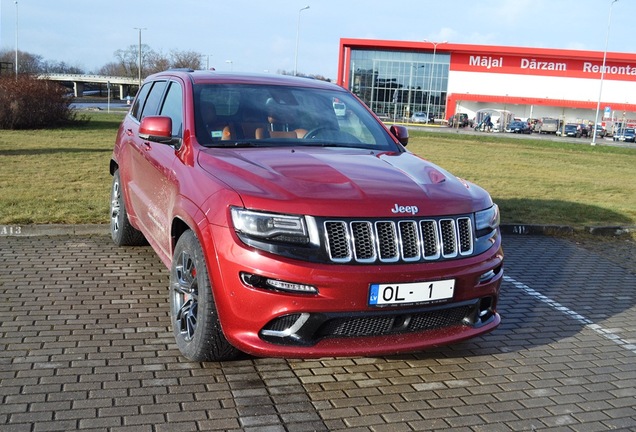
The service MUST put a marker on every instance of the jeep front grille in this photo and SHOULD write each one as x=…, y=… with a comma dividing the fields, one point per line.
x=389, y=241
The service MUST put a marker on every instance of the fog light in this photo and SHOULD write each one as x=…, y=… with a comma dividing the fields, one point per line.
x=262, y=282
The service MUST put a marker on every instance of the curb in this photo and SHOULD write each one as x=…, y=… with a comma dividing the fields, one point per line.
x=53, y=230
x=514, y=229
x=551, y=230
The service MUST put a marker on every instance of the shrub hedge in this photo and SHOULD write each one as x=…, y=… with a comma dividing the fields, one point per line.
x=30, y=103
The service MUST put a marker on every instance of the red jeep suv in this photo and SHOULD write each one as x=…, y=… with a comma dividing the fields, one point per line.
x=291, y=231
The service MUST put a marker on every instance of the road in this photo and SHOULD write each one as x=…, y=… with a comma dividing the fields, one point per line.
x=86, y=344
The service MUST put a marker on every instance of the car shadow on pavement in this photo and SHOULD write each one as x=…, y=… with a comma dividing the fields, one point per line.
x=552, y=292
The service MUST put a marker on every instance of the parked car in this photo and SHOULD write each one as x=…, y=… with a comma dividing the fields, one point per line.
x=571, y=130
x=585, y=130
x=534, y=124
x=625, y=135
x=618, y=135
x=289, y=232
x=600, y=131
x=459, y=120
x=422, y=117
x=548, y=125
x=520, y=127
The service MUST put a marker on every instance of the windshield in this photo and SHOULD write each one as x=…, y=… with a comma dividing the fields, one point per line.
x=269, y=115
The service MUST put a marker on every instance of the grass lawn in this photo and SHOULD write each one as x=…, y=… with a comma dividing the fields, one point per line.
x=61, y=175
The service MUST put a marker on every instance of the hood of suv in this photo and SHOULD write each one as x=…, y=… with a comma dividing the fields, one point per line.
x=345, y=182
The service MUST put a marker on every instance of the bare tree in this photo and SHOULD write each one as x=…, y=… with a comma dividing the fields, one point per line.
x=156, y=62
x=27, y=63
x=60, y=67
x=185, y=59
x=128, y=59
x=153, y=61
x=111, y=69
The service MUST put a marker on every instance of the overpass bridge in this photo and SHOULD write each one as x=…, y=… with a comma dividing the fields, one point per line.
x=78, y=81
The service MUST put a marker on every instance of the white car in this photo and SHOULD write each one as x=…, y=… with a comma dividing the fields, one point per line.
x=420, y=117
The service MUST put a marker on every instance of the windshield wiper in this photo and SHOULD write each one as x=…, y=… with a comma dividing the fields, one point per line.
x=356, y=145
x=243, y=144
x=233, y=144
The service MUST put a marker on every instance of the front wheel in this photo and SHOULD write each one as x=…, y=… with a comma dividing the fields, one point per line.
x=195, y=321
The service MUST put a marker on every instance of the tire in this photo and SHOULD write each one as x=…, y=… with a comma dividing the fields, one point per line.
x=195, y=321
x=121, y=231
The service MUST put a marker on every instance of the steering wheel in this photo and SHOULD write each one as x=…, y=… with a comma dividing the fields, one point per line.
x=317, y=131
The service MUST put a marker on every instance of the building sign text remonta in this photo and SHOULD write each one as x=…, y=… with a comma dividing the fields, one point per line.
x=575, y=68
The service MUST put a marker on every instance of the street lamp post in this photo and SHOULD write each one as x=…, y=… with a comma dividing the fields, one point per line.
x=140, y=29
x=600, y=91
x=430, y=79
x=16, y=39
x=297, y=37
x=207, y=64
x=230, y=63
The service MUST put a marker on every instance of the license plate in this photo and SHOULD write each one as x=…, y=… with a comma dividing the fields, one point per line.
x=417, y=292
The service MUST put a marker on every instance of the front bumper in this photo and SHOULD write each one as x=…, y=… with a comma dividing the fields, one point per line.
x=338, y=320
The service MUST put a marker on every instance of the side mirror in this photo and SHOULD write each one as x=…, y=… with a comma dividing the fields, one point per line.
x=157, y=129
x=401, y=133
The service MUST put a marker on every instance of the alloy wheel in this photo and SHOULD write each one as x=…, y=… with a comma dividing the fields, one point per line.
x=115, y=207
x=185, y=295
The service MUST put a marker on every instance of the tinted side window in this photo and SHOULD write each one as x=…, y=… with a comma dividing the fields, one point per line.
x=140, y=100
x=153, y=100
x=173, y=108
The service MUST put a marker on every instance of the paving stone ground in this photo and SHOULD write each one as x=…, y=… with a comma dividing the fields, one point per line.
x=86, y=345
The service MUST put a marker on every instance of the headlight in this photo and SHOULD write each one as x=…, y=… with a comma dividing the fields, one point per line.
x=487, y=219
x=271, y=226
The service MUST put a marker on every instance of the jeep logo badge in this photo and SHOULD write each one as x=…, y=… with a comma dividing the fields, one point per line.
x=405, y=209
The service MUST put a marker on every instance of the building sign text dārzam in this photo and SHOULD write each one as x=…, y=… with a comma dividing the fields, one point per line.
x=540, y=66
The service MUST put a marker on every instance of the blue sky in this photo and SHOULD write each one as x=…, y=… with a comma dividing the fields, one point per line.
x=259, y=36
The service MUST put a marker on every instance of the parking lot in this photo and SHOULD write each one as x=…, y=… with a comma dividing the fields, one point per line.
x=86, y=344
